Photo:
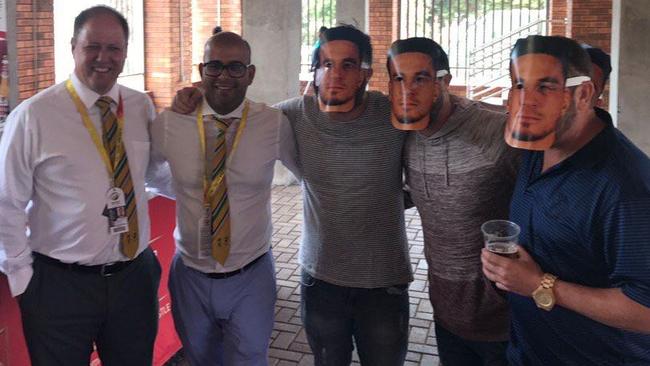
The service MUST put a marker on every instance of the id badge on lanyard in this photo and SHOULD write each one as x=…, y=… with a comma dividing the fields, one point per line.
x=115, y=208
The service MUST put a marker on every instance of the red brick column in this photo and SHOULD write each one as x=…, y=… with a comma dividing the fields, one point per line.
x=383, y=29
x=168, y=48
x=34, y=46
x=231, y=16
x=591, y=22
x=559, y=17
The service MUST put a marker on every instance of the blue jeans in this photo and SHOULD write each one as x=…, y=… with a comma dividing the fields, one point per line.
x=376, y=318
x=456, y=351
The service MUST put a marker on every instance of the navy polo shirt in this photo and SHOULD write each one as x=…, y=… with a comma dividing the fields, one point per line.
x=586, y=220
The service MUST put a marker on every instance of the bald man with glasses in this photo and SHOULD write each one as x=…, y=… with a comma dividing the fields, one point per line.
x=222, y=279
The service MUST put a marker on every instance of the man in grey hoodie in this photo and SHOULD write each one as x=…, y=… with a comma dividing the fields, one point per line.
x=460, y=173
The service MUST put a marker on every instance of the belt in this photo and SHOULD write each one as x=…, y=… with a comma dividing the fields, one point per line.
x=222, y=275
x=104, y=270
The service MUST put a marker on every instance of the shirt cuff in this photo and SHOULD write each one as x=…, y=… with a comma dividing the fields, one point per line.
x=19, y=280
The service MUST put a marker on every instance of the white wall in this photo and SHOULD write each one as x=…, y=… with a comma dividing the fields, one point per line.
x=631, y=87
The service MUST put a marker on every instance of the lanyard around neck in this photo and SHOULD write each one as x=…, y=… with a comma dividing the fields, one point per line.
x=201, y=127
x=97, y=140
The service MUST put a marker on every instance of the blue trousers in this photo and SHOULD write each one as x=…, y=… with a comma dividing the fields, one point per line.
x=224, y=321
x=377, y=319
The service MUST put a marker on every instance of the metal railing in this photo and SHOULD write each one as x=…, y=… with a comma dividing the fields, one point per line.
x=315, y=14
x=489, y=63
x=467, y=28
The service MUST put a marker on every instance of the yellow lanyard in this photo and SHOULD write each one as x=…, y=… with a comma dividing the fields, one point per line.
x=199, y=122
x=81, y=108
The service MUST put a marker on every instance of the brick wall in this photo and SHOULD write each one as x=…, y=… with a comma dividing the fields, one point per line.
x=231, y=16
x=168, y=40
x=559, y=12
x=168, y=48
x=35, y=46
x=382, y=28
x=591, y=22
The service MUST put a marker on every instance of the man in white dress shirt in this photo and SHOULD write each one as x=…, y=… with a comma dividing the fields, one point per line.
x=222, y=279
x=78, y=151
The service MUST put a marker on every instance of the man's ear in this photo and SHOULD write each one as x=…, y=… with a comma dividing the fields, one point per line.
x=251, y=74
x=73, y=43
x=447, y=79
x=584, y=95
x=366, y=75
x=201, y=69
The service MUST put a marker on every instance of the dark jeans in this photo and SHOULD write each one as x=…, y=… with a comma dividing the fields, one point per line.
x=64, y=312
x=456, y=351
x=376, y=318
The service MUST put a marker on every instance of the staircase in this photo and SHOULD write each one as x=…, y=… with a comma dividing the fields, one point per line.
x=488, y=77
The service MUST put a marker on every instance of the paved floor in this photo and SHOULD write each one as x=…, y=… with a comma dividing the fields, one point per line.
x=289, y=344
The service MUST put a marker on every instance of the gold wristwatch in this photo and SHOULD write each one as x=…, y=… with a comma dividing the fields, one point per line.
x=543, y=295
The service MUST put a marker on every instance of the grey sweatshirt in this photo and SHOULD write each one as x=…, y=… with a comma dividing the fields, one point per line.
x=460, y=177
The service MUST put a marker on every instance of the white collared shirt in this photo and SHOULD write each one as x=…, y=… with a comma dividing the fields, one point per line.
x=47, y=157
x=267, y=137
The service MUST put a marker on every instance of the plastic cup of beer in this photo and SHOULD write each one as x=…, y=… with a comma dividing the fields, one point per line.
x=501, y=237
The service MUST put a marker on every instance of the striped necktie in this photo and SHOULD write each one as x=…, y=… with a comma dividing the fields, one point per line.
x=121, y=176
x=218, y=199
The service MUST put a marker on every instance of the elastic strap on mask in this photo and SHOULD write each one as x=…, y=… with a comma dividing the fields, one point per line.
x=441, y=73
x=576, y=80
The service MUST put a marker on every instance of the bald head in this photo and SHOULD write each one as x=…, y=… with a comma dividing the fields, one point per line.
x=225, y=40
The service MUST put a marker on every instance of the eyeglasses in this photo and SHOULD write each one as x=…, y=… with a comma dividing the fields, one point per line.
x=215, y=68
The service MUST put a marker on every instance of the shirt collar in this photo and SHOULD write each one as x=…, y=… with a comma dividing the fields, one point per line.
x=89, y=97
x=236, y=113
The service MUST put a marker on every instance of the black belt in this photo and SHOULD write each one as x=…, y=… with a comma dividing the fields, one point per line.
x=104, y=270
x=222, y=275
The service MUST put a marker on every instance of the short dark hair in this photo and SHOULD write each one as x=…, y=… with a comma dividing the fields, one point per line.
x=572, y=57
x=427, y=46
x=343, y=33
x=94, y=11
x=599, y=58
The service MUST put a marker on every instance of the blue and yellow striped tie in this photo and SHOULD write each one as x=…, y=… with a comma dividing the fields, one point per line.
x=121, y=175
x=218, y=200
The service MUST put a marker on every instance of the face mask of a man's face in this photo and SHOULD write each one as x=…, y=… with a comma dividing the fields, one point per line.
x=339, y=76
x=537, y=101
x=413, y=90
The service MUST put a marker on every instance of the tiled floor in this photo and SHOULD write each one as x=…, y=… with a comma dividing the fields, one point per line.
x=289, y=344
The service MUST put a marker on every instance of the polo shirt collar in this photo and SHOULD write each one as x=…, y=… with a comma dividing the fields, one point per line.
x=599, y=147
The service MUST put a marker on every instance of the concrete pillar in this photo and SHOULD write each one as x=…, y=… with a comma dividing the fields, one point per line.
x=353, y=12
x=630, y=84
x=273, y=30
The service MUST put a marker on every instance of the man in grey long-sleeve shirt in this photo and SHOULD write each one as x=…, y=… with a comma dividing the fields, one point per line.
x=460, y=174
x=354, y=251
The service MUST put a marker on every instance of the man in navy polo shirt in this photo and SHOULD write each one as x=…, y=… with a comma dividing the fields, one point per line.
x=580, y=289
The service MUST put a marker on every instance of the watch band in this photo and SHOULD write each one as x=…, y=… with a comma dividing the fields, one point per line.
x=548, y=280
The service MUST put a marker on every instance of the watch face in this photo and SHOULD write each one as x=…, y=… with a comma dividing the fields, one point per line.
x=544, y=298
